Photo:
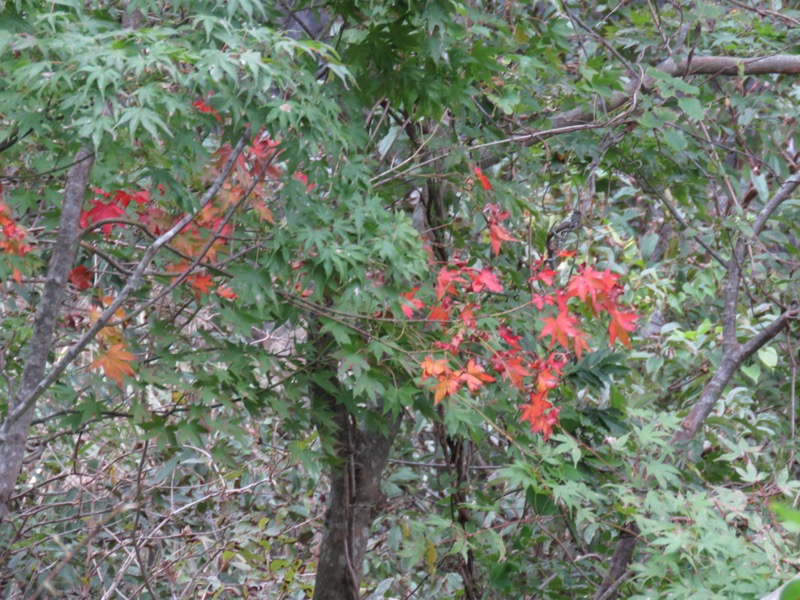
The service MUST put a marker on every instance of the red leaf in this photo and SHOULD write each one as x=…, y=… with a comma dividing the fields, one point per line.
x=560, y=328
x=439, y=313
x=487, y=185
x=81, y=277
x=101, y=212
x=486, y=279
x=591, y=283
x=621, y=324
x=474, y=376
x=408, y=311
x=508, y=335
x=547, y=380
x=510, y=367
x=534, y=412
x=468, y=317
x=201, y=283
x=497, y=234
x=445, y=281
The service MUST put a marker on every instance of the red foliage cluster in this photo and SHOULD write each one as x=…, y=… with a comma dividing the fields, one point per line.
x=457, y=311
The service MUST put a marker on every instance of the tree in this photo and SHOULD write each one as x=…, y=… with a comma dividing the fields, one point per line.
x=433, y=298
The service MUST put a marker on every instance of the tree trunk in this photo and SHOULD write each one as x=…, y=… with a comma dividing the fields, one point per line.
x=355, y=499
x=355, y=494
x=21, y=405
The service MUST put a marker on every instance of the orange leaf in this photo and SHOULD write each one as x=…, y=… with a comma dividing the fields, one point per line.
x=439, y=313
x=448, y=385
x=433, y=368
x=534, y=412
x=475, y=376
x=547, y=380
x=226, y=292
x=115, y=363
x=621, y=324
x=201, y=283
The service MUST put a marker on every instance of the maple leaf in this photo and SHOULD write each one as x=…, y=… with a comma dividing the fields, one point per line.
x=188, y=242
x=591, y=283
x=263, y=211
x=115, y=363
x=508, y=335
x=497, y=234
x=510, y=366
x=487, y=185
x=445, y=281
x=81, y=277
x=102, y=211
x=408, y=311
x=547, y=380
x=534, y=412
x=453, y=345
x=545, y=275
x=621, y=324
x=449, y=383
x=227, y=292
x=433, y=368
x=468, y=317
x=486, y=279
x=201, y=283
x=440, y=313
x=303, y=178
x=474, y=376
x=579, y=344
x=560, y=328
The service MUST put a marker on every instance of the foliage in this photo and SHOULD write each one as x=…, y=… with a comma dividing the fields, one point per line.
x=512, y=225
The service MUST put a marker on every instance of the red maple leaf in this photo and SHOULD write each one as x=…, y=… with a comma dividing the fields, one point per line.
x=592, y=283
x=440, y=313
x=81, y=277
x=545, y=275
x=474, y=376
x=486, y=279
x=508, y=335
x=497, y=234
x=511, y=367
x=445, y=281
x=101, y=212
x=560, y=328
x=408, y=311
x=487, y=185
x=621, y=324
x=541, y=414
x=468, y=317
x=547, y=380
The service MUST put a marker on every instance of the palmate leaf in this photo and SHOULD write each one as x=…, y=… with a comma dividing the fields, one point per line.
x=115, y=363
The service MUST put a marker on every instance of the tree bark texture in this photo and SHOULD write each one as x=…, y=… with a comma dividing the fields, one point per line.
x=14, y=430
x=355, y=493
